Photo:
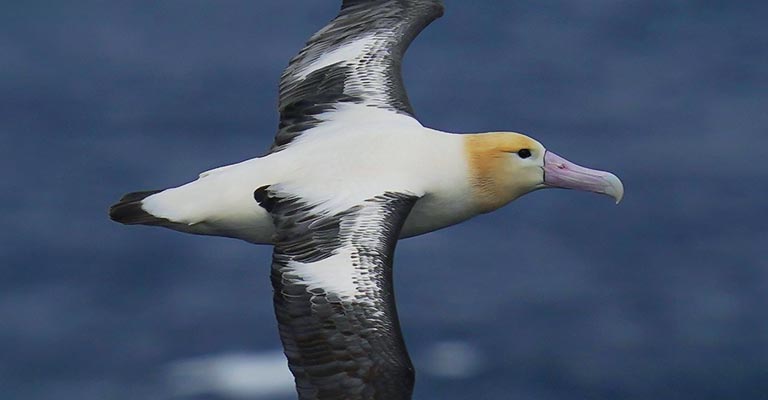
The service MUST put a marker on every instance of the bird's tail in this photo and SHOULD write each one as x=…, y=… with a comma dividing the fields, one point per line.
x=129, y=210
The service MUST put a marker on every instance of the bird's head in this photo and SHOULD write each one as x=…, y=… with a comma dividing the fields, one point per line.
x=507, y=165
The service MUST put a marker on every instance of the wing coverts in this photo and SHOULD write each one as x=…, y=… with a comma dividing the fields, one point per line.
x=333, y=297
x=355, y=59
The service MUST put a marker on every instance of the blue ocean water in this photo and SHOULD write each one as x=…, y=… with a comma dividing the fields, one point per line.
x=560, y=295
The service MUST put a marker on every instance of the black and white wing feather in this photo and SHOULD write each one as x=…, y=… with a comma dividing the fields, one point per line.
x=355, y=60
x=332, y=276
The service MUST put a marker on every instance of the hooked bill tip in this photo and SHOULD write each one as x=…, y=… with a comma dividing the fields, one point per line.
x=559, y=172
x=615, y=187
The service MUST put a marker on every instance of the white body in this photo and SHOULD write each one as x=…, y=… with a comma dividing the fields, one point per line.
x=376, y=152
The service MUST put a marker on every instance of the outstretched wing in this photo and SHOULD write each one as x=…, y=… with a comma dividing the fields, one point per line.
x=332, y=276
x=353, y=61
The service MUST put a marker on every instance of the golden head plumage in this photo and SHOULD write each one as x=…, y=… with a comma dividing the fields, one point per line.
x=506, y=165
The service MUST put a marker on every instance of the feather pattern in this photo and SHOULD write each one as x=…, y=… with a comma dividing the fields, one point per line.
x=355, y=60
x=334, y=301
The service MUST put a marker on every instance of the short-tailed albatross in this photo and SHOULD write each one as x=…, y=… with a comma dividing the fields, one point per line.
x=352, y=170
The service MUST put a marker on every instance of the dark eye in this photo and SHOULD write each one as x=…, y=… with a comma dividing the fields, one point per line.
x=524, y=153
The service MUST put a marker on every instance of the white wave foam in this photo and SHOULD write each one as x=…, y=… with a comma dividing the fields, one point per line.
x=232, y=375
x=454, y=360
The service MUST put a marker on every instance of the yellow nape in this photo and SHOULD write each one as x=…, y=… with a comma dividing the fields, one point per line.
x=507, y=142
x=495, y=171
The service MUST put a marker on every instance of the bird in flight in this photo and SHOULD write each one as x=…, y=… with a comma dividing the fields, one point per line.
x=350, y=172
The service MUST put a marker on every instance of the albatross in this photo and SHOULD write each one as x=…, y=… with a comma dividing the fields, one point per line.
x=350, y=172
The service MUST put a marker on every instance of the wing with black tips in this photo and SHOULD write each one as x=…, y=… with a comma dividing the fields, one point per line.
x=353, y=62
x=334, y=301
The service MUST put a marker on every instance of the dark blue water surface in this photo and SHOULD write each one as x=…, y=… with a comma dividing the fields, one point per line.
x=561, y=295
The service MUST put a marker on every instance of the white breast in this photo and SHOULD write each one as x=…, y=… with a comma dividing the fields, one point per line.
x=337, y=166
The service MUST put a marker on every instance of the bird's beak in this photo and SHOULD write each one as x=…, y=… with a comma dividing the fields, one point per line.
x=561, y=173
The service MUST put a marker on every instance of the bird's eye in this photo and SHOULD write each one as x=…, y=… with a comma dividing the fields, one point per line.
x=524, y=153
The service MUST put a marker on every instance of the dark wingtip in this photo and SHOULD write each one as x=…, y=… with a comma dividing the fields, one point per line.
x=128, y=210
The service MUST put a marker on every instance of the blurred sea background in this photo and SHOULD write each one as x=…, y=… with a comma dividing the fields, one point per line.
x=560, y=295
